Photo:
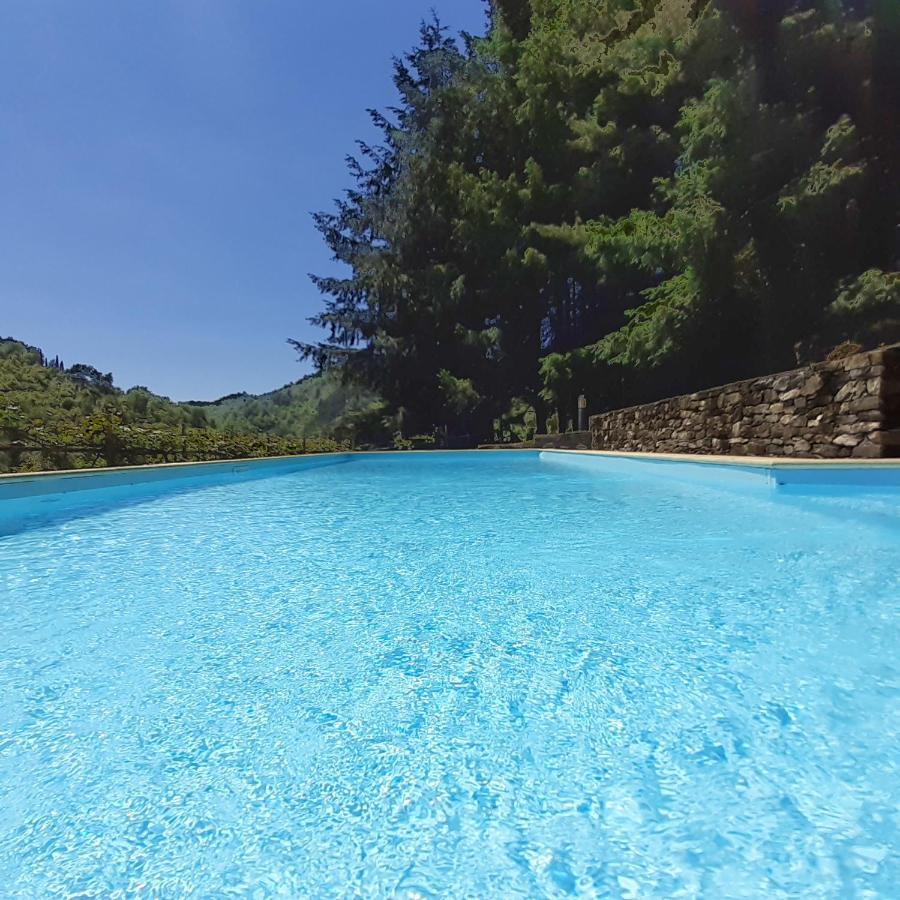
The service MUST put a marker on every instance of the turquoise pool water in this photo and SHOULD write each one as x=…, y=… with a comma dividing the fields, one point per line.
x=451, y=675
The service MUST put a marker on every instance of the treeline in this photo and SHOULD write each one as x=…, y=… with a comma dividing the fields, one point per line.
x=53, y=417
x=630, y=198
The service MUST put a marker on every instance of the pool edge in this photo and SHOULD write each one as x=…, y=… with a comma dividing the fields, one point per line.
x=22, y=485
x=778, y=473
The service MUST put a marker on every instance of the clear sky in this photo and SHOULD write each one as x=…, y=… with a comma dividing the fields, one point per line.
x=159, y=161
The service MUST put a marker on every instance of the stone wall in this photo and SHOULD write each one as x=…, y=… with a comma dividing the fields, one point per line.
x=845, y=408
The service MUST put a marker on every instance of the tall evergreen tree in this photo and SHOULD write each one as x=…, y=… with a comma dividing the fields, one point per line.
x=629, y=197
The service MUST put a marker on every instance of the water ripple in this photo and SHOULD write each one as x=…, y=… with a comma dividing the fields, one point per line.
x=450, y=677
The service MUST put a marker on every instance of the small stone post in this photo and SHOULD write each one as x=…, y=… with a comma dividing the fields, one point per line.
x=582, y=413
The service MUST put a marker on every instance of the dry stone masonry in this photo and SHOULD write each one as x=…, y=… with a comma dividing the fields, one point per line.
x=843, y=408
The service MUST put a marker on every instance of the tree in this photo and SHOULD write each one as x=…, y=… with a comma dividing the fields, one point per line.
x=627, y=197
x=91, y=377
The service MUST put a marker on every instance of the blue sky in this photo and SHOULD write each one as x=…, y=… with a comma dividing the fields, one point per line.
x=158, y=164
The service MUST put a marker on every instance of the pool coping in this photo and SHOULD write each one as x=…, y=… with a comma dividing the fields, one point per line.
x=21, y=485
x=778, y=474
x=762, y=462
x=775, y=472
x=101, y=470
x=93, y=471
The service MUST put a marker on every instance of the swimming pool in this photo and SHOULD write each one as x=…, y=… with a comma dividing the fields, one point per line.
x=450, y=675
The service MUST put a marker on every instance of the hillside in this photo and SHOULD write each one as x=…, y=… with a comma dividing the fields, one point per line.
x=314, y=405
x=40, y=389
x=55, y=417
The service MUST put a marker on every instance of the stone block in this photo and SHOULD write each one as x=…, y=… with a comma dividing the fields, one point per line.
x=812, y=385
x=866, y=450
x=887, y=438
x=781, y=382
x=850, y=391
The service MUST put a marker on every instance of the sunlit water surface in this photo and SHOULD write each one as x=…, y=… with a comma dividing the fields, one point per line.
x=451, y=676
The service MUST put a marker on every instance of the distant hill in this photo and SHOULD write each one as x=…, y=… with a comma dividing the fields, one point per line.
x=46, y=389
x=54, y=416
x=314, y=405
x=37, y=388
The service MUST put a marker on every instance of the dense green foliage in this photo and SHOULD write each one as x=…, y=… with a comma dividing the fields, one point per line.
x=630, y=198
x=54, y=418
x=316, y=405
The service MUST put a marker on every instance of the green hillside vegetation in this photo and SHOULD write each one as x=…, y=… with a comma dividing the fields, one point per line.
x=53, y=417
x=630, y=198
x=42, y=390
x=316, y=405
